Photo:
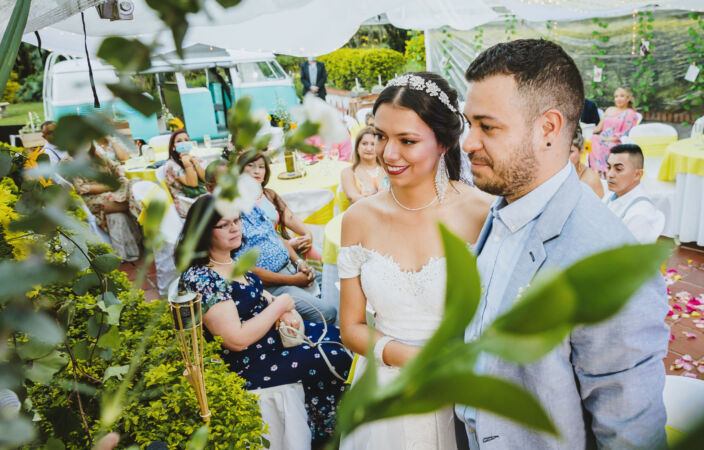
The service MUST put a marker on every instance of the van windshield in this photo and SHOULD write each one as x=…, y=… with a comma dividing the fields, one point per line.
x=257, y=71
x=74, y=87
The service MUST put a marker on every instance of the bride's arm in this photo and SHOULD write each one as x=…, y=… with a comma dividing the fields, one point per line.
x=353, y=320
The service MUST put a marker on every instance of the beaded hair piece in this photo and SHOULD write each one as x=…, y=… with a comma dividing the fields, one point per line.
x=421, y=84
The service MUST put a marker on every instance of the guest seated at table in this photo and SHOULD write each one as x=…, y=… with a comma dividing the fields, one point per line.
x=276, y=210
x=52, y=151
x=617, y=121
x=366, y=176
x=585, y=174
x=369, y=119
x=112, y=149
x=247, y=318
x=629, y=201
x=103, y=203
x=185, y=175
x=281, y=269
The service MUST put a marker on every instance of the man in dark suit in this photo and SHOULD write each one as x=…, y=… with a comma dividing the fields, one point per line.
x=313, y=77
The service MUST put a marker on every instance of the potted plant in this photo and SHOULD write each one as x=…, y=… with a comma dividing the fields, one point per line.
x=31, y=133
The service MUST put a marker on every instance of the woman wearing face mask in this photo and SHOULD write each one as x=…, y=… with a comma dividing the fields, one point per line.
x=185, y=175
x=617, y=121
x=391, y=255
x=366, y=176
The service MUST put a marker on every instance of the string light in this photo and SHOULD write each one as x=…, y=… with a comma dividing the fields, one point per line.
x=633, y=36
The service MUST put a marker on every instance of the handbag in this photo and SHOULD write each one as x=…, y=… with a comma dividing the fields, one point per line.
x=292, y=337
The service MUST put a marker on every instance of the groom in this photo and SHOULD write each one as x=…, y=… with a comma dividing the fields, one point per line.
x=603, y=385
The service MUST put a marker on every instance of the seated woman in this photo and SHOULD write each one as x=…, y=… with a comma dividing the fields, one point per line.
x=586, y=175
x=280, y=216
x=280, y=268
x=247, y=318
x=103, y=203
x=185, y=175
x=617, y=121
x=112, y=149
x=366, y=176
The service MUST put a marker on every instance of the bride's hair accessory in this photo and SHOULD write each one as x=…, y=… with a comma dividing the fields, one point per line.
x=442, y=178
x=418, y=83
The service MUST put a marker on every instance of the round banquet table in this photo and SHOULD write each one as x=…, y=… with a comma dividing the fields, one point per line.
x=323, y=175
x=331, y=245
x=683, y=162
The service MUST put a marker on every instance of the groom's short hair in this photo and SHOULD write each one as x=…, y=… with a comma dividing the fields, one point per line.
x=545, y=74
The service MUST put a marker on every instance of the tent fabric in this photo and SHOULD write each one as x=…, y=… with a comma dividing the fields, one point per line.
x=298, y=27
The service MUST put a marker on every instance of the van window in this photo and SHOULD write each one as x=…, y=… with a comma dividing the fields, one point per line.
x=255, y=72
x=195, y=78
x=74, y=87
x=277, y=69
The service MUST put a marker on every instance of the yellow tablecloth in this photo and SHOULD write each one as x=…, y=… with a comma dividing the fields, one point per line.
x=654, y=146
x=331, y=239
x=684, y=156
x=136, y=167
x=323, y=175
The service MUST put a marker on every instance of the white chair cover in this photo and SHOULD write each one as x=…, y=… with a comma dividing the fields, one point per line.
x=170, y=228
x=283, y=409
x=640, y=117
x=160, y=173
x=684, y=402
x=652, y=129
x=362, y=114
x=305, y=203
x=697, y=122
x=159, y=141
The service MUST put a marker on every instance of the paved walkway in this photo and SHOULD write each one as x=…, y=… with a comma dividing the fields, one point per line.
x=685, y=270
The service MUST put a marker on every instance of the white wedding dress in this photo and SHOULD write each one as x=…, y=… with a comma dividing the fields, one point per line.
x=409, y=307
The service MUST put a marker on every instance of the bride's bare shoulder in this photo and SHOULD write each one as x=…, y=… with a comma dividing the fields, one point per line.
x=362, y=215
x=470, y=197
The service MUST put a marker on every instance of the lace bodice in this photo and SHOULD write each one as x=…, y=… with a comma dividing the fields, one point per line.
x=408, y=304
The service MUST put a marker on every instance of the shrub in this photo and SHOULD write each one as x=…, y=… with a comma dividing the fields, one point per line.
x=290, y=64
x=31, y=89
x=345, y=64
x=11, y=89
x=415, y=53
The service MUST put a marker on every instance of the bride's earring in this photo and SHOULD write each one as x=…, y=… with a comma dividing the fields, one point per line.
x=442, y=179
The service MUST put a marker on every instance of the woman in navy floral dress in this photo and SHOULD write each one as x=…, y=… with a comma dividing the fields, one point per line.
x=247, y=317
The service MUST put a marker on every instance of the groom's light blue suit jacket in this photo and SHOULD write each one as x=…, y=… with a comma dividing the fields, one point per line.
x=603, y=384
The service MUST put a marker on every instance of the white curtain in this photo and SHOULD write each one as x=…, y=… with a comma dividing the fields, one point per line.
x=298, y=27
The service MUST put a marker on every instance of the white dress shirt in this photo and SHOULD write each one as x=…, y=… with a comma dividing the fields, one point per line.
x=638, y=212
x=55, y=155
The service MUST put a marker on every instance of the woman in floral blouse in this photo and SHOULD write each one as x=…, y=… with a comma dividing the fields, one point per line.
x=185, y=174
x=247, y=318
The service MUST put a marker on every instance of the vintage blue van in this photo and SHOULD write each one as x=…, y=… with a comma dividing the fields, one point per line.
x=199, y=89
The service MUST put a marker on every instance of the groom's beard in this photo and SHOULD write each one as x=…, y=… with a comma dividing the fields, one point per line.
x=513, y=174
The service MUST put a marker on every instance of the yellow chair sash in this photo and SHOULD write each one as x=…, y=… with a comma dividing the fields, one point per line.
x=156, y=190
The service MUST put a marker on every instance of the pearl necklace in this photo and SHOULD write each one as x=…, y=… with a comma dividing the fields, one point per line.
x=221, y=263
x=406, y=207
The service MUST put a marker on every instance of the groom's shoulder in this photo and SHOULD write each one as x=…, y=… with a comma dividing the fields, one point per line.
x=592, y=226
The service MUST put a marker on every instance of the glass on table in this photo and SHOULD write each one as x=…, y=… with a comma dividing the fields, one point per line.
x=206, y=140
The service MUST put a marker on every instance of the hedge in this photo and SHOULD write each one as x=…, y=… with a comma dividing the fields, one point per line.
x=346, y=64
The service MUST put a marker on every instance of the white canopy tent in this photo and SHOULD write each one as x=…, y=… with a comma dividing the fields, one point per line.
x=299, y=27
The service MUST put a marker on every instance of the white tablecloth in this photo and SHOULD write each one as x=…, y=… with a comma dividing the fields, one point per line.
x=688, y=217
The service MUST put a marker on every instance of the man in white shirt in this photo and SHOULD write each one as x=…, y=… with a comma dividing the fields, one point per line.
x=627, y=199
x=55, y=155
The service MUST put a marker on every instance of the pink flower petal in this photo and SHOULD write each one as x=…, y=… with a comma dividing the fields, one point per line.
x=689, y=375
x=689, y=335
x=693, y=301
x=672, y=337
x=679, y=361
x=687, y=358
x=687, y=366
x=669, y=313
x=677, y=307
x=700, y=369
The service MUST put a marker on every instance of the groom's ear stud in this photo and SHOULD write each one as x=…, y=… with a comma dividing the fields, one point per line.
x=549, y=144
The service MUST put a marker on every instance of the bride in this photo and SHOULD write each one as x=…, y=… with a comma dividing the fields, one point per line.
x=391, y=258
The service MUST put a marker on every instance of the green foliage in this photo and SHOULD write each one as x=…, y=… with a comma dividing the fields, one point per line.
x=443, y=372
x=290, y=64
x=31, y=88
x=11, y=39
x=11, y=89
x=643, y=79
x=415, y=53
x=695, y=47
x=346, y=64
x=126, y=55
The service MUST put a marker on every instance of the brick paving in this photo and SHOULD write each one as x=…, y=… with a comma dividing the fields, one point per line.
x=687, y=339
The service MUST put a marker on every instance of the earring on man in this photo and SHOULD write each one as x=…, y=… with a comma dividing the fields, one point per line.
x=549, y=144
x=442, y=179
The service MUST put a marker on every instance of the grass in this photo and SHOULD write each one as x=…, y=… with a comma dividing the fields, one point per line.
x=17, y=113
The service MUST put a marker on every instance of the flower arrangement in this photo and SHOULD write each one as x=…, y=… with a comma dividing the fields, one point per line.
x=172, y=122
x=281, y=117
x=33, y=124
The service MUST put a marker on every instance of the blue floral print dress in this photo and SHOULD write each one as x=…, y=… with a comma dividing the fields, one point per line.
x=267, y=363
